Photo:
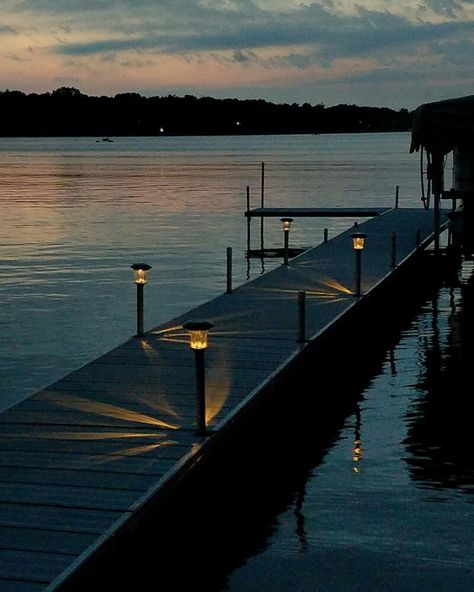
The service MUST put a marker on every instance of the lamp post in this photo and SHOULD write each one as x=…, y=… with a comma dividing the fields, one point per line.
x=198, y=331
x=286, y=223
x=140, y=271
x=358, y=243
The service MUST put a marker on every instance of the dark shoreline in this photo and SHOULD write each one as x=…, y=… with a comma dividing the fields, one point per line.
x=66, y=112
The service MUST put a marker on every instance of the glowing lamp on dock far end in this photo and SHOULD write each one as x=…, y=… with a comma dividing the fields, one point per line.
x=286, y=223
x=140, y=271
x=198, y=331
x=358, y=241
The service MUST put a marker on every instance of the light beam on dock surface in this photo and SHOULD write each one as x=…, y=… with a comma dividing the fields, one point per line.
x=108, y=410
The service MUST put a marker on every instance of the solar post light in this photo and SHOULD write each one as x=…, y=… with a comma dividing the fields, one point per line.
x=358, y=243
x=286, y=224
x=198, y=331
x=140, y=271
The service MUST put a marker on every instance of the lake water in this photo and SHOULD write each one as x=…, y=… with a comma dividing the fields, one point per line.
x=377, y=497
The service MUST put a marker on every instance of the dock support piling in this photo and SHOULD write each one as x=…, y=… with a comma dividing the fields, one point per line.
x=393, y=250
x=229, y=270
x=301, y=316
x=397, y=195
x=325, y=235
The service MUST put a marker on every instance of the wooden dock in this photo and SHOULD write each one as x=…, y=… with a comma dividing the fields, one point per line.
x=86, y=457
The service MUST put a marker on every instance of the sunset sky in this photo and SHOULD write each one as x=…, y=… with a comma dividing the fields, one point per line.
x=371, y=52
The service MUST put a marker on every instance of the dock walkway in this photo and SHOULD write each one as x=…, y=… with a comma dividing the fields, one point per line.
x=83, y=457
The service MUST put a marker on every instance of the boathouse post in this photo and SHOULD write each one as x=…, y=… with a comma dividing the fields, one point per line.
x=436, y=175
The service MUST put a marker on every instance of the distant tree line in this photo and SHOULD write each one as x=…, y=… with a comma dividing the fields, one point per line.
x=68, y=112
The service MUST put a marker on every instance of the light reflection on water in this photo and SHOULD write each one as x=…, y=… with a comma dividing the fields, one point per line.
x=76, y=214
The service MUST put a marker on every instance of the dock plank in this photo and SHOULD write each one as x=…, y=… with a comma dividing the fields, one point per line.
x=29, y=539
x=20, y=586
x=65, y=520
x=76, y=477
x=85, y=498
x=42, y=567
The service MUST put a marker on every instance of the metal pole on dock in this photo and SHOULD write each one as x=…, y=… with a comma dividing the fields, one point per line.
x=262, y=205
x=139, y=310
x=286, y=223
x=358, y=243
x=393, y=250
x=200, y=392
x=229, y=270
x=301, y=316
x=198, y=331
x=140, y=271
x=248, y=221
x=358, y=273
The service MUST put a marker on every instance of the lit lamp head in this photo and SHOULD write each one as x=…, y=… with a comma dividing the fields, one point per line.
x=286, y=223
x=358, y=241
x=140, y=271
x=198, y=331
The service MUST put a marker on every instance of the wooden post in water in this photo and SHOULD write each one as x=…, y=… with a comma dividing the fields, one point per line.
x=229, y=270
x=397, y=194
x=325, y=235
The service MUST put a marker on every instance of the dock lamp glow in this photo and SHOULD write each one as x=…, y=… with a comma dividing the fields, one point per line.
x=198, y=331
x=286, y=224
x=140, y=271
x=358, y=244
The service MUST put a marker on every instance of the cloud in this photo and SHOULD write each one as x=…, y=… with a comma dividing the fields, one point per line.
x=333, y=36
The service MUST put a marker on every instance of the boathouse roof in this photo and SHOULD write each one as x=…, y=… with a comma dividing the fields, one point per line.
x=443, y=125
